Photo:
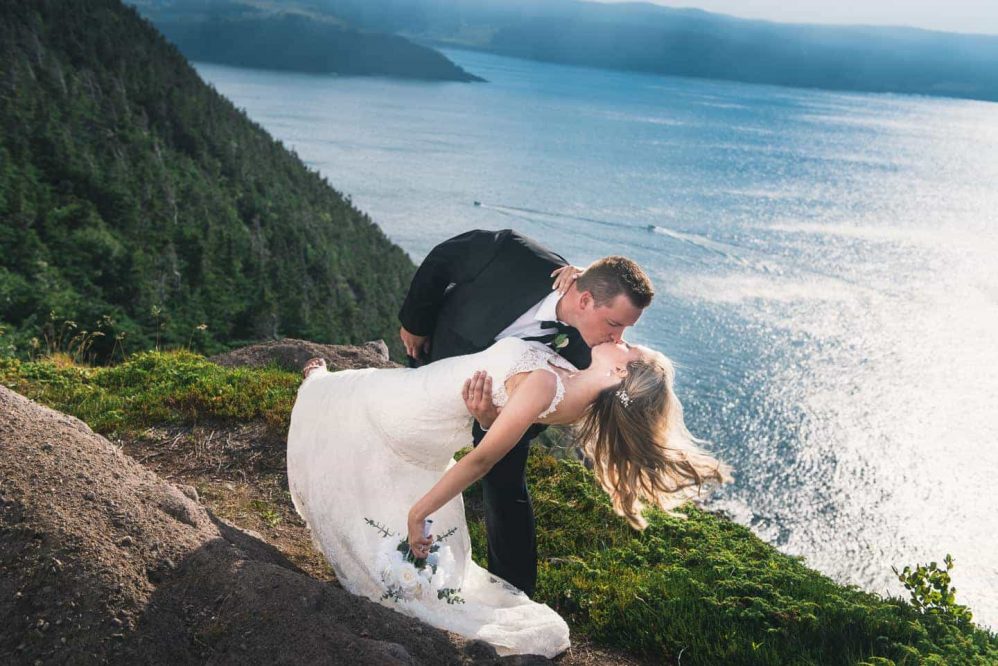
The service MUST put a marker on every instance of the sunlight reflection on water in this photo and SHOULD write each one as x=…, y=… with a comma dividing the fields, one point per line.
x=825, y=265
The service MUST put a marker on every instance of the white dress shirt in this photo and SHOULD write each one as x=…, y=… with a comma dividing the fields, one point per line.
x=528, y=324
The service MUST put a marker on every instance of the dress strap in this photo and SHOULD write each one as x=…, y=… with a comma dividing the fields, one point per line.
x=559, y=392
x=533, y=356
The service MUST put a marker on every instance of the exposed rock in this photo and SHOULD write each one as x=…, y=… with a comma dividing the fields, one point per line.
x=191, y=492
x=291, y=354
x=103, y=561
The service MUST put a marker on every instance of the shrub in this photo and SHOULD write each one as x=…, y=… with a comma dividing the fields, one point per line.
x=929, y=587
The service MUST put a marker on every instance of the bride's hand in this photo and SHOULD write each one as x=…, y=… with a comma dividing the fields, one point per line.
x=418, y=544
x=564, y=277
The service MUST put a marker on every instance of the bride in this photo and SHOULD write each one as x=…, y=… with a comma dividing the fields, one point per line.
x=370, y=460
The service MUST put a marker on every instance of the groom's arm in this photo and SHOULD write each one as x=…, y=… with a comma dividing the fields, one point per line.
x=456, y=260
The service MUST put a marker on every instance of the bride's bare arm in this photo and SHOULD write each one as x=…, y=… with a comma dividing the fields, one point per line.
x=528, y=401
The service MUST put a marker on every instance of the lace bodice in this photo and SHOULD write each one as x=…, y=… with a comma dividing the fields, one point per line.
x=421, y=413
x=526, y=357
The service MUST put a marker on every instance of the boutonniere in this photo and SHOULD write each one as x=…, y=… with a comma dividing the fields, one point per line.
x=560, y=341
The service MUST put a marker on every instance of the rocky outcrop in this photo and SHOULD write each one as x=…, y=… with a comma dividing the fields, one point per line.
x=103, y=561
x=291, y=354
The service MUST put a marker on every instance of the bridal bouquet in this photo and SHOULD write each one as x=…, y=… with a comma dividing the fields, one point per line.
x=408, y=577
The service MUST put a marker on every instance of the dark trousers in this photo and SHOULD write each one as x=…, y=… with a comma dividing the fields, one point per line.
x=509, y=516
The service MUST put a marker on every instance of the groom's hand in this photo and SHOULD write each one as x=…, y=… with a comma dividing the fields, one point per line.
x=415, y=345
x=477, y=394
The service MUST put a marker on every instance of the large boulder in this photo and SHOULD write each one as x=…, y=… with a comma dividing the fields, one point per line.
x=103, y=561
x=291, y=354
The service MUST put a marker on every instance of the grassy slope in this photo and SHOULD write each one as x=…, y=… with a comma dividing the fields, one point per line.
x=705, y=587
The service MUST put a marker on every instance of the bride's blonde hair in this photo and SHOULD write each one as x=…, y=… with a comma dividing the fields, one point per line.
x=639, y=445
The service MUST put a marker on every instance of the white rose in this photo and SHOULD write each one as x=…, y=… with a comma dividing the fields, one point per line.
x=386, y=560
x=408, y=579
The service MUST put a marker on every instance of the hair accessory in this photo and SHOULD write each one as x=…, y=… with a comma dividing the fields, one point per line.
x=625, y=399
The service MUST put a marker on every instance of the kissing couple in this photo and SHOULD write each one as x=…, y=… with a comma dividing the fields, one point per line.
x=371, y=464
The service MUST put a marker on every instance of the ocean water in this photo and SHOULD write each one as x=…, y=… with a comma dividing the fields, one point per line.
x=826, y=266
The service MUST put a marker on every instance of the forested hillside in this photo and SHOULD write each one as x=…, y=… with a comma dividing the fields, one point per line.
x=137, y=202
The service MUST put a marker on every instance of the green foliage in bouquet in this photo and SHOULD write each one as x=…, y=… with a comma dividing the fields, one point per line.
x=420, y=564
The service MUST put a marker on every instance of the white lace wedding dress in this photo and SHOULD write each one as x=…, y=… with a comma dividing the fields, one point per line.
x=366, y=444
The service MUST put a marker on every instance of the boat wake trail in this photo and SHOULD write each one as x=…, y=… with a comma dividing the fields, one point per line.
x=728, y=252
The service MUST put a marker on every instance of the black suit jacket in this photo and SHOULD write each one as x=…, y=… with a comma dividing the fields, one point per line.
x=472, y=286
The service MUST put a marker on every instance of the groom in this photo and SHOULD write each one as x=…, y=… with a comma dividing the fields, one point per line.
x=481, y=286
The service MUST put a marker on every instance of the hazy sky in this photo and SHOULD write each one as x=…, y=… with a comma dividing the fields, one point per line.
x=979, y=16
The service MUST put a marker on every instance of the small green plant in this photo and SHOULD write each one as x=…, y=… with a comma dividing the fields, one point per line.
x=929, y=587
x=267, y=512
x=158, y=316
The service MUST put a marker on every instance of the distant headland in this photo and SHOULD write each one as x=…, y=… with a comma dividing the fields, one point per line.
x=689, y=42
x=244, y=35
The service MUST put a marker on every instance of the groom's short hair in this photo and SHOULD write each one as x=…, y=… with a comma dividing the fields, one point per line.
x=611, y=276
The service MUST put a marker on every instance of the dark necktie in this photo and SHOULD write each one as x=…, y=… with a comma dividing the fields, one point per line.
x=549, y=338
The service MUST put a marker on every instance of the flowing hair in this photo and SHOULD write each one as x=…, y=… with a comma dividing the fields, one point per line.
x=639, y=445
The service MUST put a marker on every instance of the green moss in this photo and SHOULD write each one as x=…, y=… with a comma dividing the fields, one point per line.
x=156, y=387
x=703, y=587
